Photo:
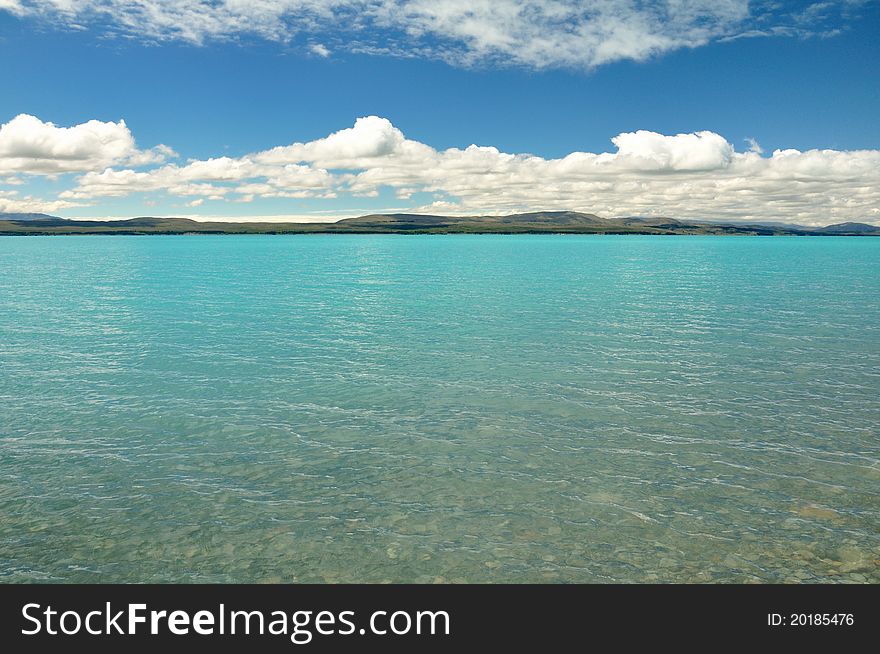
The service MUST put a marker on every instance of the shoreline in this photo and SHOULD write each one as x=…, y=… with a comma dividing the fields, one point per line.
x=128, y=232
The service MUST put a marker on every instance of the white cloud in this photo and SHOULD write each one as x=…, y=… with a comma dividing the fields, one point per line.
x=10, y=202
x=29, y=145
x=698, y=175
x=754, y=146
x=651, y=151
x=320, y=50
x=533, y=33
x=370, y=138
x=12, y=6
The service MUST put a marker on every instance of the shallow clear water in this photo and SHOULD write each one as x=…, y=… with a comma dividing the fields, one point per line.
x=429, y=408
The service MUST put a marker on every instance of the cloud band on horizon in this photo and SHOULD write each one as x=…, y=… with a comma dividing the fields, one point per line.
x=697, y=175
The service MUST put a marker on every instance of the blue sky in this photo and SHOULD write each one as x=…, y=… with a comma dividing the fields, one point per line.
x=799, y=76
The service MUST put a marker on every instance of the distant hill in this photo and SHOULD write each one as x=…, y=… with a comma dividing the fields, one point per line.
x=540, y=220
x=551, y=222
x=558, y=222
x=850, y=228
x=26, y=216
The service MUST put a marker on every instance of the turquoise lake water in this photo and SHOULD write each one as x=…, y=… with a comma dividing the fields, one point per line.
x=439, y=408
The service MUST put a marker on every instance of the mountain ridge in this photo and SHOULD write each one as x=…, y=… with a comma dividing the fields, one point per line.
x=554, y=222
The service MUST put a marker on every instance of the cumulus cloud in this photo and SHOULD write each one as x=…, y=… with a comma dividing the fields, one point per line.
x=651, y=151
x=320, y=49
x=369, y=139
x=533, y=33
x=29, y=145
x=698, y=176
x=11, y=202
